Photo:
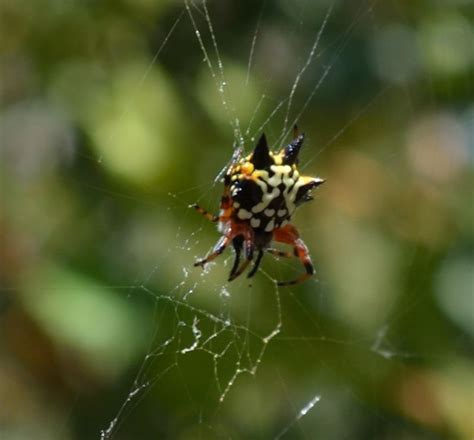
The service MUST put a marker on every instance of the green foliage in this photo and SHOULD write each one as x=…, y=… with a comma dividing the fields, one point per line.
x=112, y=124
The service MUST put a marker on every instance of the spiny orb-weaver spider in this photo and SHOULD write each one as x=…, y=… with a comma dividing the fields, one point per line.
x=261, y=192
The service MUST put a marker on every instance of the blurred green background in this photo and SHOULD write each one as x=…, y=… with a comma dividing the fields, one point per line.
x=112, y=124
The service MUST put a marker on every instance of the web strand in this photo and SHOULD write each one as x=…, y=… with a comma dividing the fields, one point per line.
x=254, y=40
x=219, y=76
x=302, y=71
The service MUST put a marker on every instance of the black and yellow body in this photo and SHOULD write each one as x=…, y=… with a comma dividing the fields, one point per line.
x=261, y=193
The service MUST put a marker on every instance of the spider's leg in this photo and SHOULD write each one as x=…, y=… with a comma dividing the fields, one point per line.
x=248, y=248
x=237, y=242
x=305, y=259
x=256, y=264
x=203, y=212
x=289, y=235
x=218, y=249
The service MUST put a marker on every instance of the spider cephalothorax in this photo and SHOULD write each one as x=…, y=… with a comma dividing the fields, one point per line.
x=261, y=192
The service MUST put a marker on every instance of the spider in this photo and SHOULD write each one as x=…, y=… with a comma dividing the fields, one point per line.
x=261, y=192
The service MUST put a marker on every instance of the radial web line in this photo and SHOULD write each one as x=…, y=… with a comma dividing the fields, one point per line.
x=140, y=384
x=252, y=46
x=201, y=42
x=235, y=122
x=208, y=61
x=254, y=113
x=342, y=130
x=303, y=69
x=345, y=39
x=257, y=108
x=270, y=117
x=302, y=412
x=141, y=81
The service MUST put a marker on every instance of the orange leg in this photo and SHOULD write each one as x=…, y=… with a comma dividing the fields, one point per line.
x=208, y=215
x=225, y=209
x=232, y=231
x=218, y=249
x=289, y=235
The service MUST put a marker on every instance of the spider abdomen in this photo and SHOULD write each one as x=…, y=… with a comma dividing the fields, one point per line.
x=266, y=198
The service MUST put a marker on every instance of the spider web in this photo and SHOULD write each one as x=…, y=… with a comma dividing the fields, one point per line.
x=230, y=334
